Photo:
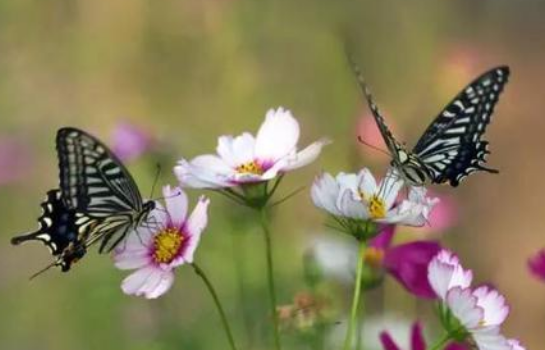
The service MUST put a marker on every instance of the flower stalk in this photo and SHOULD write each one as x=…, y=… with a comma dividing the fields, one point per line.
x=356, y=298
x=217, y=302
x=270, y=277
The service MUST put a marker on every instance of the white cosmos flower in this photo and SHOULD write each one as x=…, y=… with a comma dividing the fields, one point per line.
x=248, y=159
x=358, y=196
x=480, y=311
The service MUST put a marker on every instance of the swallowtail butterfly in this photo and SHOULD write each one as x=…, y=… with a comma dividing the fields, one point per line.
x=452, y=147
x=98, y=201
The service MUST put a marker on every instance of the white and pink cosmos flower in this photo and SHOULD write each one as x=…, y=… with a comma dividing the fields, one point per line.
x=361, y=197
x=167, y=240
x=479, y=311
x=247, y=159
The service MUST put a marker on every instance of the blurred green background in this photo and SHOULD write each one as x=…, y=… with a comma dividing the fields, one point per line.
x=187, y=71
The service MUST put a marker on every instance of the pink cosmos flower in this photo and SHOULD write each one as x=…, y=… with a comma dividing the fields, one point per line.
x=248, y=159
x=536, y=265
x=15, y=160
x=168, y=239
x=417, y=341
x=407, y=263
x=479, y=311
x=129, y=141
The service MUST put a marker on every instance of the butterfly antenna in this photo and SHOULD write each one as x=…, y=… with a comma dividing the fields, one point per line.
x=157, y=174
x=362, y=141
x=42, y=270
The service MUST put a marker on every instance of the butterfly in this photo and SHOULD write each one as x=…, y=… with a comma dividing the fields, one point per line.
x=452, y=147
x=97, y=201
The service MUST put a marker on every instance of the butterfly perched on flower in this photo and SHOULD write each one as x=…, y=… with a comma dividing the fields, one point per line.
x=452, y=147
x=97, y=201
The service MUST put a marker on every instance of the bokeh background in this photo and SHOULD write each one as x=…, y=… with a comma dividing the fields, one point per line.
x=182, y=72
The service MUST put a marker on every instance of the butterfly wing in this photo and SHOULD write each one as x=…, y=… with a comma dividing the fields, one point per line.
x=58, y=231
x=97, y=186
x=452, y=147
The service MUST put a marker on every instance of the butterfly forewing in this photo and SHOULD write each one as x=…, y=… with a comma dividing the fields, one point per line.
x=92, y=179
x=452, y=146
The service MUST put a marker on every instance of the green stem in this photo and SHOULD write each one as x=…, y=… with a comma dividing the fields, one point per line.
x=442, y=342
x=361, y=319
x=270, y=277
x=356, y=299
x=214, y=295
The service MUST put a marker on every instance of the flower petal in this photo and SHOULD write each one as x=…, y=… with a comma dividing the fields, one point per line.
x=306, y=156
x=389, y=187
x=493, y=304
x=408, y=263
x=490, y=338
x=129, y=260
x=150, y=282
x=515, y=344
x=463, y=305
x=417, y=339
x=536, y=264
x=384, y=239
x=236, y=151
x=324, y=193
x=176, y=202
x=195, y=225
x=277, y=136
x=387, y=341
x=367, y=183
x=351, y=208
x=207, y=171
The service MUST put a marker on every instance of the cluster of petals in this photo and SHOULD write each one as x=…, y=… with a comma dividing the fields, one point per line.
x=169, y=239
x=360, y=197
x=247, y=159
x=480, y=311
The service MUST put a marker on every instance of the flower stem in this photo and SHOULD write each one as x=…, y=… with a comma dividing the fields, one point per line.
x=356, y=298
x=441, y=343
x=214, y=295
x=270, y=277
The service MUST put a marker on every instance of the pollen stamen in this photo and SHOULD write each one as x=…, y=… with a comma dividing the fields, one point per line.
x=250, y=168
x=377, y=207
x=167, y=245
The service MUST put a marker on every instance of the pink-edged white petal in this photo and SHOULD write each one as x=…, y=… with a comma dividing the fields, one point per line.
x=494, y=305
x=324, y=193
x=194, y=227
x=463, y=305
x=150, y=282
x=515, y=344
x=445, y=272
x=306, y=156
x=277, y=136
x=490, y=338
x=129, y=260
x=176, y=202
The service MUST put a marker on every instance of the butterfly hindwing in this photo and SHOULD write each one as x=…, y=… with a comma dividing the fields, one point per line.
x=57, y=230
x=452, y=147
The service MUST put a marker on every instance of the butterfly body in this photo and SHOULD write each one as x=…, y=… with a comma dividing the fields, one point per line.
x=452, y=147
x=97, y=201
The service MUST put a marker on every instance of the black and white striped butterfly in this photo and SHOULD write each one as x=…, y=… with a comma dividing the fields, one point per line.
x=452, y=147
x=98, y=201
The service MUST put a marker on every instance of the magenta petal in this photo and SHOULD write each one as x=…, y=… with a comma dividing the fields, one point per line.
x=536, y=264
x=387, y=342
x=417, y=339
x=384, y=239
x=408, y=263
x=129, y=141
x=456, y=346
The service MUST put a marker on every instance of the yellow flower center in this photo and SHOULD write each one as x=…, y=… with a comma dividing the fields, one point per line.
x=167, y=245
x=377, y=207
x=250, y=168
x=373, y=257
